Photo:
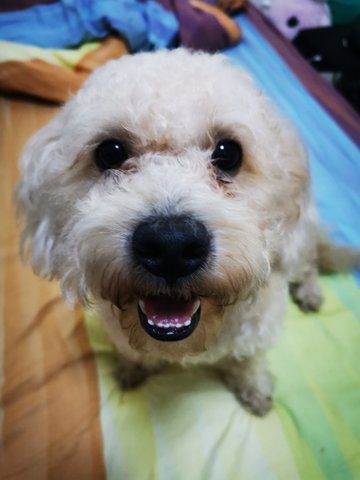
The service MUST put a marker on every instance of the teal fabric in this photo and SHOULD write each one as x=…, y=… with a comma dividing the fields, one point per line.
x=344, y=11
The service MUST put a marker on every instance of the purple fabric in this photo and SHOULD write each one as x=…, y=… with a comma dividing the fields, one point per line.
x=197, y=29
x=13, y=5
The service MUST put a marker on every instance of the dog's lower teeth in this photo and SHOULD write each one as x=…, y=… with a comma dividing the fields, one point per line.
x=167, y=325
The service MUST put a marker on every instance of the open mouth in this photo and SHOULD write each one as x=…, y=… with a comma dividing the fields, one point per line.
x=168, y=319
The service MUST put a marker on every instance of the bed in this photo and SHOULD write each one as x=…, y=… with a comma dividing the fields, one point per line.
x=63, y=414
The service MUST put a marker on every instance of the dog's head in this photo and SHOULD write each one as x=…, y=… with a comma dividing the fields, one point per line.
x=166, y=189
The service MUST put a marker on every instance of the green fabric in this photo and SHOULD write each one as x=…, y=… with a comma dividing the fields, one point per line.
x=344, y=11
x=184, y=424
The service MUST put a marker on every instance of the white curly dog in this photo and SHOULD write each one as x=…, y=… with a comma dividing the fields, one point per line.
x=171, y=197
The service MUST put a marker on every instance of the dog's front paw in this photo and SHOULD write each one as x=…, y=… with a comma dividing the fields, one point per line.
x=251, y=383
x=307, y=296
x=257, y=402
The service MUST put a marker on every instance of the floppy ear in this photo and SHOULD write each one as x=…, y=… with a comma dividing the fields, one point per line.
x=39, y=164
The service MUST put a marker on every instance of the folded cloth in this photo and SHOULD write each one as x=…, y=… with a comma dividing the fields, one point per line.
x=53, y=74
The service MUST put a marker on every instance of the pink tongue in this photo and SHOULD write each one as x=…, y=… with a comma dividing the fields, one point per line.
x=166, y=309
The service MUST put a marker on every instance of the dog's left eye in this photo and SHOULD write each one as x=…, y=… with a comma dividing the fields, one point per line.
x=110, y=154
x=227, y=155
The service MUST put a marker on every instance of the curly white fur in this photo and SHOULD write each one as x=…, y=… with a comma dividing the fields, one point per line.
x=171, y=109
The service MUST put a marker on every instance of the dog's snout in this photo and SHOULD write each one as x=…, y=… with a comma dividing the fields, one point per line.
x=171, y=247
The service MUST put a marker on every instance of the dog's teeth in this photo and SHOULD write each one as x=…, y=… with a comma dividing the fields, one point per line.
x=166, y=325
x=196, y=307
x=142, y=305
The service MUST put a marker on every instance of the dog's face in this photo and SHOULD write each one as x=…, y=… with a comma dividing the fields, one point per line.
x=166, y=191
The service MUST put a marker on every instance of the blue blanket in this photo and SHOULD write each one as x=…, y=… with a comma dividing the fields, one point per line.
x=145, y=24
x=334, y=157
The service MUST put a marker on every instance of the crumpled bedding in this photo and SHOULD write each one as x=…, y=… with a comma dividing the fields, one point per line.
x=64, y=416
x=48, y=48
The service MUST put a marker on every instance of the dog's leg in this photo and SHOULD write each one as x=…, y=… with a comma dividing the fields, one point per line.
x=323, y=257
x=131, y=374
x=306, y=292
x=251, y=382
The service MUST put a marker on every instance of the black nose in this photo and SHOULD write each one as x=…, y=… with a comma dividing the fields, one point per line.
x=171, y=247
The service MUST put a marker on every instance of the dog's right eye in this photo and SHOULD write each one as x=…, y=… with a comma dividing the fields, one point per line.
x=110, y=154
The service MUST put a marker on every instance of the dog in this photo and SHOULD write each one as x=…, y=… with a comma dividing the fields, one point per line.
x=171, y=197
